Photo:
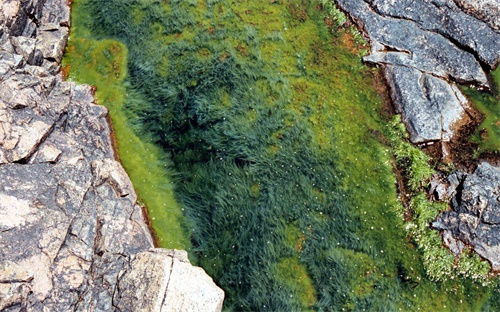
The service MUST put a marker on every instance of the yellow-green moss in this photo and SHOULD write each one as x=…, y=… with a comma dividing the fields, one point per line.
x=103, y=64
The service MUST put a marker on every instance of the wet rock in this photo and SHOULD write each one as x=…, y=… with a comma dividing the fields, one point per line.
x=70, y=226
x=430, y=43
x=475, y=220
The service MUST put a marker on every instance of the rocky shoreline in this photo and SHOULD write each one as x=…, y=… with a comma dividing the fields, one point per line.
x=72, y=236
x=425, y=48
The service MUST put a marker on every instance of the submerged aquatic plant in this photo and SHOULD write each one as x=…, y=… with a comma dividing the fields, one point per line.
x=271, y=128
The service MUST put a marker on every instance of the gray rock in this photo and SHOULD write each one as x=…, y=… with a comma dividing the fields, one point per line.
x=486, y=10
x=406, y=44
x=475, y=221
x=50, y=44
x=174, y=284
x=71, y=231
x=24, y=46
x=429, y=106
x=424, y=44
x=445, y=18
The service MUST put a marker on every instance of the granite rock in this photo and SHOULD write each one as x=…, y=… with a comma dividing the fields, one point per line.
x=486, y=10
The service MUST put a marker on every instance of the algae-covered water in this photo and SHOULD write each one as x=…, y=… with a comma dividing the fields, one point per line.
x=254, y=135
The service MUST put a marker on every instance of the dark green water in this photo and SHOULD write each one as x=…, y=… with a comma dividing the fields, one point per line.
x=272, y=129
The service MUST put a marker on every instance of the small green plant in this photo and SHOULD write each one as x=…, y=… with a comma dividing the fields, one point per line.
x=439, y=262
x=338, y=16
x=410, y=158
x=488, y=103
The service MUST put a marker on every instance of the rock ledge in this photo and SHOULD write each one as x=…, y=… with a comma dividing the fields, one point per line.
x=425, y=46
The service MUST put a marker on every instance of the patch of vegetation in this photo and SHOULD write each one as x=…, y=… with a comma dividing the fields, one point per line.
x=103, y=64
x=440, y=264
x=270, y=124
x=488, y=103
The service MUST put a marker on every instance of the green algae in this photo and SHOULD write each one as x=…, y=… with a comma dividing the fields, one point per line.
x=270, y=125
x=103, y=64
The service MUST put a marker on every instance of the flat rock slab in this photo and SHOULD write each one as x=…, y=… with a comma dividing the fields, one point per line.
x=475, y=218
x=174, y=284
x=72, y=235
x=435, y=40
x=430, y=106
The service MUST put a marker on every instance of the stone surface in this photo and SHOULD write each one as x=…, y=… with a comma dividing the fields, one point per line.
x=429, y=105
x=425, y=46
x=475, y=218
x=175, y=285
x=71, y=233
x=487, y=10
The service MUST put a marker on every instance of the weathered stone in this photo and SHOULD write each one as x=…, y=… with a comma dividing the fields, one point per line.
x=24, y=46
x=445, y=18
x=486, y=10
x=11, y=272
x=52, y=43
x=407, y=44
x=428, y=42
x=48, y=153
x=476, y=221
x=429, y=105
x=112, y=172
x=56, y=14
x=174, y=285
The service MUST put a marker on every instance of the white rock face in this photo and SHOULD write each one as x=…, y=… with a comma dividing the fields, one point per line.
x=174, y=284
x=72, y=237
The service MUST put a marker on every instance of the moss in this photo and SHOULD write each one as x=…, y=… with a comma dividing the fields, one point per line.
x=103, y=64
x=488, y=133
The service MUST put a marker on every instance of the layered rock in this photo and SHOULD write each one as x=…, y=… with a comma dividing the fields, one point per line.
x=72, y=236
x=474, y=220
x=425, y=46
